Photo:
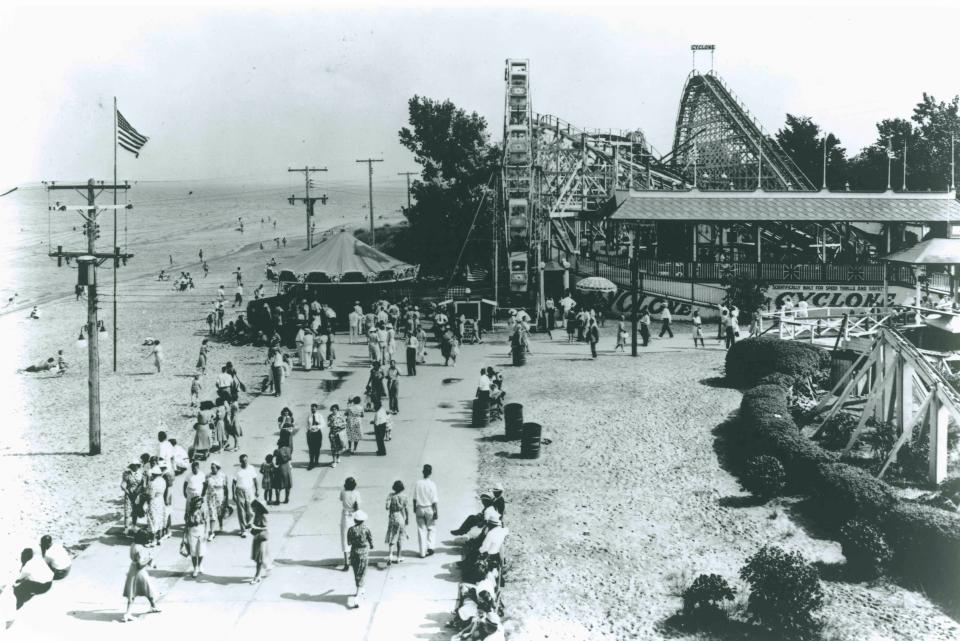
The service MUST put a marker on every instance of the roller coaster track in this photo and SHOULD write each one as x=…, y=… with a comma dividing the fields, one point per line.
x=716, y=135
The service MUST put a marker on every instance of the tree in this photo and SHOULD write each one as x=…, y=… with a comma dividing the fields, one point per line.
x=747, y=294
x=803, y=141
x=927, y=135
x=458, y=162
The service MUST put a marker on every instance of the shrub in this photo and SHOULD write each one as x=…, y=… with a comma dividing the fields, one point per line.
x=881, y=437
x=753, y=358
x=867, y=552
x=846, y=492
x=837, y=431
x=777, y=378
x=784, y=590
x=925, y=541
x=764, y=476
x=705, y=595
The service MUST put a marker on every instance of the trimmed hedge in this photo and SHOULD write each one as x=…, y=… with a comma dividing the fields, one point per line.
x=925, y=540
x=751, y=359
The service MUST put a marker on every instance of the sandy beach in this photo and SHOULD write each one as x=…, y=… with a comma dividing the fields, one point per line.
x=49, y=483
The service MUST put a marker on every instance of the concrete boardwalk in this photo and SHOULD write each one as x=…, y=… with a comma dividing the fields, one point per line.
x=306, y=587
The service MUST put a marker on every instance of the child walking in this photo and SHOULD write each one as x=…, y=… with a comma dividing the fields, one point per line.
x=195, y=387
x=697, y=330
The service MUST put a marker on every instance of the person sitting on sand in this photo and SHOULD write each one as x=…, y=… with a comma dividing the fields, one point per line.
x=35, y=578
x=56, y=557
x=42, y=366
x=35, y=313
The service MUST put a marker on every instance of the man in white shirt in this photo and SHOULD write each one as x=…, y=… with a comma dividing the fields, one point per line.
x=483, y=388
x=193, y=485
x=493, y=539
x=36, y=577
x=164, y=449
x=56, y=556
x=224, y=384
x=246, y=487
x=425, y=507
x=665, y=319
x=566, y=304
x=238, y=296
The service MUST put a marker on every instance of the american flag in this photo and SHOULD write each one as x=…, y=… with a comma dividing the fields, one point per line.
x=128, y=137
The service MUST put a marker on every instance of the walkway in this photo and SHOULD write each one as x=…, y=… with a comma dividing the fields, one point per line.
x=406, y=601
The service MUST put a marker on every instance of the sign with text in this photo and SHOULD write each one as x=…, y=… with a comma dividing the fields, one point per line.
x=836, y=295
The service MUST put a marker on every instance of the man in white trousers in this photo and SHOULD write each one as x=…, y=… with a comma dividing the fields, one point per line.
x=425, y=507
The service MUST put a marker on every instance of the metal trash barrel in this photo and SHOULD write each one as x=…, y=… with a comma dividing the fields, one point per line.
x=530, y=441
x=481, y=412
x=519, y=357
x=841, y=361
x=513, y=421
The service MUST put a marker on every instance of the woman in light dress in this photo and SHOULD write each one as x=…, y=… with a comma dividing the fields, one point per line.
x=156, y=506
x=350, y=504
x=354, y=418
x=398, y=518
x=195, y=528
x=138, y=581
x=217, y=494
x=157, y=354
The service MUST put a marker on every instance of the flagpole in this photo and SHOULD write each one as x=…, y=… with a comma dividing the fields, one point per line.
x=889, y=154
x=114, y=233
x=824, y=162
x=953, y=165
x=904, y=163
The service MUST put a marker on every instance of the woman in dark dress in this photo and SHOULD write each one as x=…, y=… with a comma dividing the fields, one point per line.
x=375, y=385
x=283, y=472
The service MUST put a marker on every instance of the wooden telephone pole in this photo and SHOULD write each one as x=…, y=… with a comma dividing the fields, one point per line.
x=370, y=161
x=307, y=199
x=87, y=262
x=408, y=174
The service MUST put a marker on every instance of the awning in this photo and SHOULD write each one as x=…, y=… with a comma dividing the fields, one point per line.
x=935, y=251
x=789, y=206
x=343, y=259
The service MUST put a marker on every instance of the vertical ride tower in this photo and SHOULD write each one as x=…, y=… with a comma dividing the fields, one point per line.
x=518, y=178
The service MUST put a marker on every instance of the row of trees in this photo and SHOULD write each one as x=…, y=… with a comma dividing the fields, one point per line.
x=927, y=134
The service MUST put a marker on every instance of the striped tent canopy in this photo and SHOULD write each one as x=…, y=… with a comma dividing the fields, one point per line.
x=343, y=259
x=597, y=284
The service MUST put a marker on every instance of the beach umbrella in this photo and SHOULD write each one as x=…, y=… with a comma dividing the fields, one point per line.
x=597, y=284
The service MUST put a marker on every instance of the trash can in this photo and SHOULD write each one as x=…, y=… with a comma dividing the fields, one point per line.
x=530, y=441
x=513, y=421
x=519, y=357
x=481, y=412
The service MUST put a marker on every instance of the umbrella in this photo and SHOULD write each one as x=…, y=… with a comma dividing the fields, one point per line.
x=597, y=284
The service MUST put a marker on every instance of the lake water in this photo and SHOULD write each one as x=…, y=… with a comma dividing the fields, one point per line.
x=170, y=219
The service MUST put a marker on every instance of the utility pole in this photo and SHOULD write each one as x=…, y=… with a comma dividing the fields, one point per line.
x=87, y=262
x=370, y=161
x=408, y=174
x=307, y=199
x=634, y=289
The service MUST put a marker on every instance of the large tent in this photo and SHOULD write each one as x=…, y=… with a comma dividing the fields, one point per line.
x=343, y=259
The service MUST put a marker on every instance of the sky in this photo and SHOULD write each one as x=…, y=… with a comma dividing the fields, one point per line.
x=245, y=91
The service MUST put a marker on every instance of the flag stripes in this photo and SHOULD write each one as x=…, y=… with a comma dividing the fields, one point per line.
x=128, y=137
